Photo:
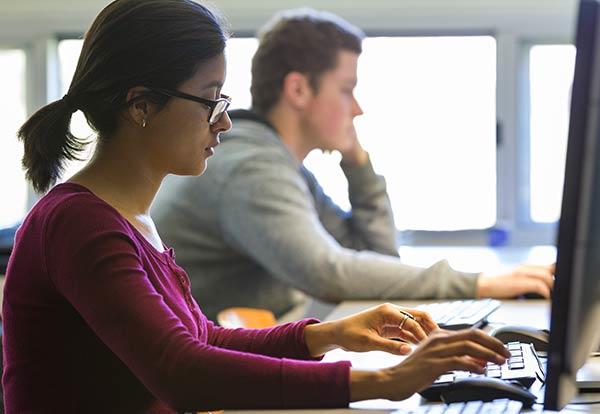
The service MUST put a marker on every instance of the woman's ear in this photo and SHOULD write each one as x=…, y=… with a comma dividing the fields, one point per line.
x=141, y=107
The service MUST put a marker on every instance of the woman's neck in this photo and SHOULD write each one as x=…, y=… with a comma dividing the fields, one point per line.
x=124, y=180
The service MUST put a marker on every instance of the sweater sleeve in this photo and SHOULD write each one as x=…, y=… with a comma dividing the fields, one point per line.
x=266, y=213
x=370, y=223
x=283, y=341
x=95, y=264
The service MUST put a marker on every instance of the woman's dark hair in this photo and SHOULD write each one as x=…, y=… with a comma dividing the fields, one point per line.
x=157, y=43
x=298, y=40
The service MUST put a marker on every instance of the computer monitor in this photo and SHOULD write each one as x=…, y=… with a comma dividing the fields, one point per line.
x=575, y=316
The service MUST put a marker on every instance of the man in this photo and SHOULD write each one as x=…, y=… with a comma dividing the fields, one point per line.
x=257, y=229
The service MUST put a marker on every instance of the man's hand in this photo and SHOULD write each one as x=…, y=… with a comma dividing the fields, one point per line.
x=354, y=154
x=521, y=280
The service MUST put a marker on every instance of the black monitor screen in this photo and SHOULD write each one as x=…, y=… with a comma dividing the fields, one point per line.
x=575, y=318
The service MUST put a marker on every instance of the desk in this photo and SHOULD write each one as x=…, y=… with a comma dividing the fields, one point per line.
x=532, y=312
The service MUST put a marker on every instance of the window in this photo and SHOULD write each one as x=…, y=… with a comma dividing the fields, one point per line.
x=68, y=54
x=239, y=54
x=430, y=128
x=12, y=107
x=551, y=69
x=436, y=93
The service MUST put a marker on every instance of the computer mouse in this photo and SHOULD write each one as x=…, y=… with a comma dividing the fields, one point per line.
x=486, y=389
x=526, y=334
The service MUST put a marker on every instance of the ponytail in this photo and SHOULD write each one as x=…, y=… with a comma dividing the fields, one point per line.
x=48, y=142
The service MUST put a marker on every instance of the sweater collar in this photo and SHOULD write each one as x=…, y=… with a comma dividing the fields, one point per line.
x=246, y=115
x=251, y=116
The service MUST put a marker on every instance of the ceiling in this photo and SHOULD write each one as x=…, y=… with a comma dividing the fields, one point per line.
x=26, y=19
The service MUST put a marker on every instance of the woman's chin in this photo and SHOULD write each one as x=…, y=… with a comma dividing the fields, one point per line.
x=194, y=170
x=201, y=168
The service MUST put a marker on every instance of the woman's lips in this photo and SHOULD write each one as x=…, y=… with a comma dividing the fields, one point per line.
x=211, y=148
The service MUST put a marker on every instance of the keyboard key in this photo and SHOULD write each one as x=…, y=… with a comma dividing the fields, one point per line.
x=454, y=408
x=472, y=407
x=461, y=314
x=514, y=407
x=437, y=409
x=522, y=369
x=496, y=373
x=515, y=353
x=502, y=406
x=446, y=378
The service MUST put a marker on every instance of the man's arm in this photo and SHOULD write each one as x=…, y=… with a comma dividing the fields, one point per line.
x=370, y=223
x=267, y=213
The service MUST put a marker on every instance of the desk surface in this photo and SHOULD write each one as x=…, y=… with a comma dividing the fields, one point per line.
x=534, y=312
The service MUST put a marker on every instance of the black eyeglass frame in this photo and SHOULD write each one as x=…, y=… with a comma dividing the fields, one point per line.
x=213, y=117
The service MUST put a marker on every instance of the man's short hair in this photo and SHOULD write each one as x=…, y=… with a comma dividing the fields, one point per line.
x=299, y=40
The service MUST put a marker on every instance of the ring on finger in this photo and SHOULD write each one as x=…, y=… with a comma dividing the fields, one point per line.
x=407, y=314
x=406, y=317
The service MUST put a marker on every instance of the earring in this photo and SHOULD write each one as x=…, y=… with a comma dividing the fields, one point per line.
x=144, y=123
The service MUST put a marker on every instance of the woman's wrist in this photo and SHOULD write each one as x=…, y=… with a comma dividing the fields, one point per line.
x=319, y=338
x=367, y=385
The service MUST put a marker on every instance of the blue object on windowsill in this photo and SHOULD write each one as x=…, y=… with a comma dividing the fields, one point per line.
x=498, y=237
x=7, y=236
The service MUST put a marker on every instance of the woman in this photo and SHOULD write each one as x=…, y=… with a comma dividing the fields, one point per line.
x=98, y=317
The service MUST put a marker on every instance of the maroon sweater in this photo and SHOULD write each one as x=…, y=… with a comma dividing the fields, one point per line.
x=97, y=320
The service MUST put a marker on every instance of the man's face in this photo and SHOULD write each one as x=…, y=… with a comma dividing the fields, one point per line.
x=328, y=118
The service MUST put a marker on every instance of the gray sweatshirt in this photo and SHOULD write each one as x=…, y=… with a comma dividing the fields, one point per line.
x=257, y=229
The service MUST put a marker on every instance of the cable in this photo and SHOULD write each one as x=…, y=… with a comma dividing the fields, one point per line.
x=541, y=375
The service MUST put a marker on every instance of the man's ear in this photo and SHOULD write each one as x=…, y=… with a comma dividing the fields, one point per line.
x=296, y=90
x=141, y=108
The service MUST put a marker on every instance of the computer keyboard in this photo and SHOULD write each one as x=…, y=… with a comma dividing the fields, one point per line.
x=502, y=406
x=522, y=366
x=461, y=314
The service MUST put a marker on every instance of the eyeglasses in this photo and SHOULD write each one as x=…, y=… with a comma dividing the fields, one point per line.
x=217, y=108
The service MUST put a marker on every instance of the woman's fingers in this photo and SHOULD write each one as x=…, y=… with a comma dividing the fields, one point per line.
x=461, y=363
x=468, y=341
x=471, y=349
x=413, y=327
x=423, y=318
x=392, y=346
x=419, y=323
x=477, y=336
x=394, y=332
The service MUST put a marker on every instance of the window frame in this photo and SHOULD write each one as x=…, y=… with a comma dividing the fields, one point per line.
x=6, y=45
x=526, y=226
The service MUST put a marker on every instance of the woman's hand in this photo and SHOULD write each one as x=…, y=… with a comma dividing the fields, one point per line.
x=442, y=351
x=371, y=330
